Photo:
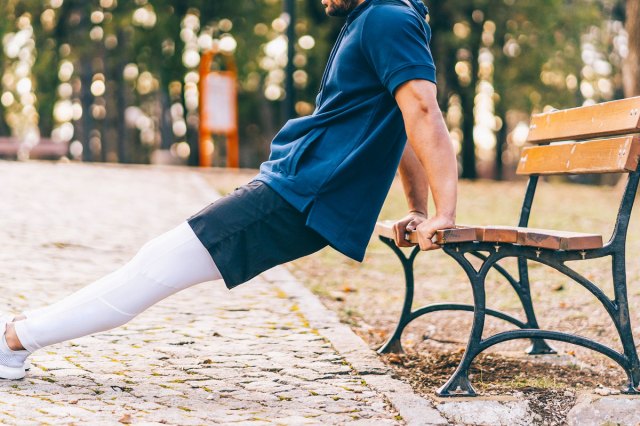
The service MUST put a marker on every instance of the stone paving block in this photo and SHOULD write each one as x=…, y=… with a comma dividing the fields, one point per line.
x=489, y=413
x=369, y=422
x=294, y=420
x=592, y=410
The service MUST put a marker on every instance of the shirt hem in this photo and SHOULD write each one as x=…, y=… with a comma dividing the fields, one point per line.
x=351, y=251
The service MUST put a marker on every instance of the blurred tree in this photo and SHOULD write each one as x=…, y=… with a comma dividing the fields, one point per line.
x=124, y=73
x=100, y=38
x=538, y=61
x=521, y=41
x=46, y=61
x=631, y=68
x=6, y=9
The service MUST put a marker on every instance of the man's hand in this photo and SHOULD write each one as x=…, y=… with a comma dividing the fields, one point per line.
x=406, y=225
x=427, y=229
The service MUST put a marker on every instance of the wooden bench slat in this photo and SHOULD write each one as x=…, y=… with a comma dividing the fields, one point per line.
x=605, y=119
x=558, y=240
x=455, y=235
x=542, y=238
x=616, y=155
x=532, y=237
x=497, y=234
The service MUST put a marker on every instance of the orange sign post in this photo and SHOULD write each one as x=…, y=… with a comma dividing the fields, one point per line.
x=218, y=108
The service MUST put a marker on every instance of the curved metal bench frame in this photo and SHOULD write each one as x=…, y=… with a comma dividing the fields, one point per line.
x=618, y=308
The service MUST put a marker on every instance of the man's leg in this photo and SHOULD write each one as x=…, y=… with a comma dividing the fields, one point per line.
x=255, y=229
x=169, y=263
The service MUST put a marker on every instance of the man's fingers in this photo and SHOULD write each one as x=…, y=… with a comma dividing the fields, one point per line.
x=427, y=242
x=401, y=232
x=403, y=229
x=404, y=240
x=430, y=246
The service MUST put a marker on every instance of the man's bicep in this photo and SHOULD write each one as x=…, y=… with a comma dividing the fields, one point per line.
x=400, y=52
x=417, y=97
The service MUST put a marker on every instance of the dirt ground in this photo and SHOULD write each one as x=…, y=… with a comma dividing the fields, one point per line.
x=369, y=297
x=550, y=389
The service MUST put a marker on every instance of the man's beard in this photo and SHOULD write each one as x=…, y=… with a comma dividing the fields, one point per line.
x=342, y=7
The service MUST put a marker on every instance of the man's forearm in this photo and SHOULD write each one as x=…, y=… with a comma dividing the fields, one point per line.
x=414, y=181
x=429, y=138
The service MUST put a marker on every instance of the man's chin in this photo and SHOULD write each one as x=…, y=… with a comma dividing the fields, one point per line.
x=332, y=9
x=335, y=12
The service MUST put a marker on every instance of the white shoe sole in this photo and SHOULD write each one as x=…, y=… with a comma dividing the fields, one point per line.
x=11, y=373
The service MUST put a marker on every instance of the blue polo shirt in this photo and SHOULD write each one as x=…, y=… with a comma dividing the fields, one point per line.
x=337, y=164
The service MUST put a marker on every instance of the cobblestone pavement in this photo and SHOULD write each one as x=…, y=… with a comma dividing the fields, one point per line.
x=203, y=356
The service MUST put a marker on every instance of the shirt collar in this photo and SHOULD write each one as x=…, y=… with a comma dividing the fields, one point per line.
x=418, y=5
x=358, y=10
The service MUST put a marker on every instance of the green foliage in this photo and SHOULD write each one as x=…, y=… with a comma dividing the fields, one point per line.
x=525, y=38
x=536, y=49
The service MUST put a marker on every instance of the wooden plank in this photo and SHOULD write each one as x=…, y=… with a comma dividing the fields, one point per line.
x=558, y=240
x=542, y=238
x=443, y=236
x=384, y=228
x=616, y=155
x=531, y=237
x=604, y=119
x=497, y=234
x=455, y=235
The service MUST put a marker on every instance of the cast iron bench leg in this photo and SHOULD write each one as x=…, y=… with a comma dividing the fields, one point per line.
x=459, y=383
x=523, y=291
x=538, y=346
x=623, y=324
x=393, y=344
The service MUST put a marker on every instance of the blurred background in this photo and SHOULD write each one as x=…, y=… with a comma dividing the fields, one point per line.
x=117, y=81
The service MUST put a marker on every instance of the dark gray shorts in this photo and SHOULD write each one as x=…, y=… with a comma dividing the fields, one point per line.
x=251, y=230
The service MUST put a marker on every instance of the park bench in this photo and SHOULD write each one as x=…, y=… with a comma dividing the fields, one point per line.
x=46, y=149
x=603, y=138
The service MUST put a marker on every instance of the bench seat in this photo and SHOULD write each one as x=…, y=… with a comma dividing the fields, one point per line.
x=531, y=237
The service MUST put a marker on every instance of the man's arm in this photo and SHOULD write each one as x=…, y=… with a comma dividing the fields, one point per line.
x=428, y=161
x=416, y=189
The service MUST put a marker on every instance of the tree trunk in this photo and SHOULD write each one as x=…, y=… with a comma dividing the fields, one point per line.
x=4, y=127
x=631, y=67
x=124, y=140
x=124, y=135
x=467, y=100
x=193, y=137
x=86, y=99
x=501, y=142
x=85, y=66
x=166, y=123
x=467, y=97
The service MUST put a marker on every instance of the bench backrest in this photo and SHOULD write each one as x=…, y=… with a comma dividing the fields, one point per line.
x=583, y=153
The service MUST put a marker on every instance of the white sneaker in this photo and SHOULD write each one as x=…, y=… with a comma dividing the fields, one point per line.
x=9, y=358
x=5, y=319
x=11, y=362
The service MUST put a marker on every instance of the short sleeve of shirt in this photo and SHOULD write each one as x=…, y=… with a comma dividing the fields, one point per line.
x=395, y=41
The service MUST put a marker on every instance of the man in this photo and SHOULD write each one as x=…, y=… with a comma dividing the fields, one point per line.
x=324, y=184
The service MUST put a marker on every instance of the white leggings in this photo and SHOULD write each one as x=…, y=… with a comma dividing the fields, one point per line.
x=165, y=265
